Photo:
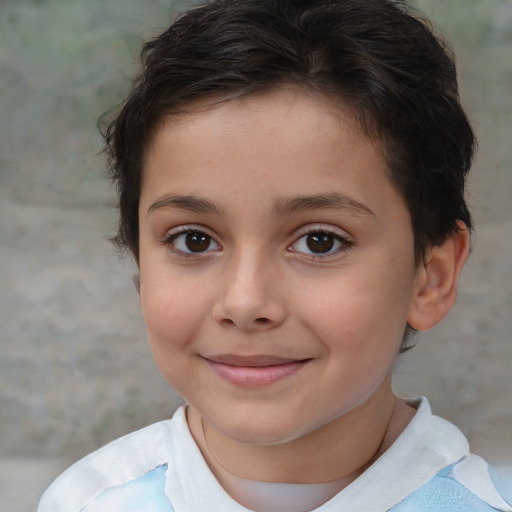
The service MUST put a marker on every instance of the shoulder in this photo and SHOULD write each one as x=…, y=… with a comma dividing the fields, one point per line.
x=133, y=464
x=465, y=486
x=429, y=468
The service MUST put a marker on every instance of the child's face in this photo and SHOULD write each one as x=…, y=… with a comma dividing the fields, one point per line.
x=276, y=262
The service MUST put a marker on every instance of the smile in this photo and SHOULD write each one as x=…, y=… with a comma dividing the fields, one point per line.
x=254, y=371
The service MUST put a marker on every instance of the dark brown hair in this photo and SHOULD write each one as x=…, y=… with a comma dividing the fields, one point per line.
x=386, y=65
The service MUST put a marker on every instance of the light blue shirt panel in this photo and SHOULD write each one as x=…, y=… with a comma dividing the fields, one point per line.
x=443, y=494
x=502, y=478
x=143, y=493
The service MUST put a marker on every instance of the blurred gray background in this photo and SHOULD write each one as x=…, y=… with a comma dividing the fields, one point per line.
x=75, y=370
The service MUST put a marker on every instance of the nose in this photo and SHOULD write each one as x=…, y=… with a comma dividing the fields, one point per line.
x=250, y=294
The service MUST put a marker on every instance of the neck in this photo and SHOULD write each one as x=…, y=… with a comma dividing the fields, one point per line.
x=339, y=451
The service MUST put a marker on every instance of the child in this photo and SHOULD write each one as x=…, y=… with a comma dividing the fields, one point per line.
x=291, y=185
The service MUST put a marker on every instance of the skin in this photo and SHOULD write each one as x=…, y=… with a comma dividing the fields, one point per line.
x=333, y=320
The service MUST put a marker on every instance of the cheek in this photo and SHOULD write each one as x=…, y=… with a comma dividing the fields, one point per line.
x=361, y=311
x=171, y=320
x=172, y=315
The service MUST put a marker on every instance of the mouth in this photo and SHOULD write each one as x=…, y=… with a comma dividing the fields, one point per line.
x=256, y=370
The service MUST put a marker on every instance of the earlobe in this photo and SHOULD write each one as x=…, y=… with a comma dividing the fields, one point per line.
x=437, y=280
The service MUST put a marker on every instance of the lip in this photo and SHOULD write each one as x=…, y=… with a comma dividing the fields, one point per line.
x=255, y=370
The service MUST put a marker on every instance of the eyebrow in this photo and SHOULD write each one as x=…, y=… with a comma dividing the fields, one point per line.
x=282, y=207
x=190, y=203
x=334, y=200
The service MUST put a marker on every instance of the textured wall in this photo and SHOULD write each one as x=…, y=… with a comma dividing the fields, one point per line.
x=75, y=371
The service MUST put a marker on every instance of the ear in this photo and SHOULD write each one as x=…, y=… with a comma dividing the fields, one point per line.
x=437, y=280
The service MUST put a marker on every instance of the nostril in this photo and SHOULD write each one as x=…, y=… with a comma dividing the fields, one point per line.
x=244, y=319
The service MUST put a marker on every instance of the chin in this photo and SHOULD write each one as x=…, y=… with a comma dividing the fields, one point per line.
x=261, y=437
x=262, y=430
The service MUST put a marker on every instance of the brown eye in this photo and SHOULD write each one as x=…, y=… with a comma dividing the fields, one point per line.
x=320, y=242
x=192, y=242
x=197, y=242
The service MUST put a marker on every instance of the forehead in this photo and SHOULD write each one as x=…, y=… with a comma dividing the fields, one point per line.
x=236, y=110
x=291, y=140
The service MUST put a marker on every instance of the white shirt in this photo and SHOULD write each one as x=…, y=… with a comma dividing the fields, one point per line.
x=160, y=469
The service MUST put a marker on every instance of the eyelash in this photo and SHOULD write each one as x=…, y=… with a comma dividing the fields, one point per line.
x=170, y=241
x=344, y=242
